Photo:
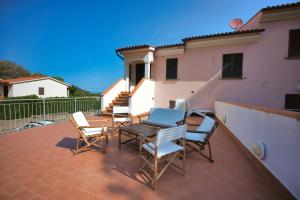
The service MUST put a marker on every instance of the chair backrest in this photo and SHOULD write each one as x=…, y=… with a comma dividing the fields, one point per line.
x=120, y=113
x=170, y=134
x=120, y=109
x=207, y=125
x=79, y=119
x=166, y=115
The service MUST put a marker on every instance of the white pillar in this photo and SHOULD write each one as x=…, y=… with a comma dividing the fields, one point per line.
x=126, y=75
x=147, y=70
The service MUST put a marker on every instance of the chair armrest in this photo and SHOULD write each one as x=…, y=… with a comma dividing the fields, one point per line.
x=142, y=115
x=98, y=120
x=84, y=126
x=201, y=132
x=146, y=139
x=181, y=122
x=92, y=126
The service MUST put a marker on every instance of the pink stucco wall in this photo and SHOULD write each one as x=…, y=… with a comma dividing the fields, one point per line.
x=253, y=23
x=268, y=74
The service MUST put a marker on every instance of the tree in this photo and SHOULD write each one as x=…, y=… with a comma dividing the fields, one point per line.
x=78, y=92
x=10, y=69
x=58, y=78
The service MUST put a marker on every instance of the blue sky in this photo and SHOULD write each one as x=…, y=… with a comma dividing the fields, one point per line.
x=76, y=39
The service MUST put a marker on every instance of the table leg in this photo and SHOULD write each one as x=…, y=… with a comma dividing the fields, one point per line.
x=120, y=132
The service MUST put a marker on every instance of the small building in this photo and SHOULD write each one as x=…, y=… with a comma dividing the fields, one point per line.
x=42, y=86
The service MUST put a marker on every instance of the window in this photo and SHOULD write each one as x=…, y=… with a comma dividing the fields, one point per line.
x=232, y=65
x=171, y=69
x=41, y=91
x=294, y=43
x=292, y=102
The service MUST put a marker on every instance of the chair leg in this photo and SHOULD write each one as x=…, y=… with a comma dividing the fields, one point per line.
x=210, y=155
x=183, y=162
x=105, y=144
x=155, y=174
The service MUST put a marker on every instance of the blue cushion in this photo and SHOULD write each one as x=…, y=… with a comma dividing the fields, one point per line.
x=165, y=116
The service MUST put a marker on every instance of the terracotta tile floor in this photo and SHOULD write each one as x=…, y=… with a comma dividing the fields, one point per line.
x=38, y=164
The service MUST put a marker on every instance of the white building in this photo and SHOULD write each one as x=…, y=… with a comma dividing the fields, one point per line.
x=41, y=86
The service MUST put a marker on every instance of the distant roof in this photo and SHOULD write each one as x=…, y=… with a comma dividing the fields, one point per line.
x=282, y=6
x=142, y=46
x=28, y=79
x=223, y=34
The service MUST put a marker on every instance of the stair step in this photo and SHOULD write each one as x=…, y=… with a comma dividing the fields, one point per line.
x=106, y=114
x=120, y=101
x=122, y=98
x=118, y=104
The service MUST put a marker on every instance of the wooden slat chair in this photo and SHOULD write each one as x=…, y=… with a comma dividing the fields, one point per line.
x=89, y=135
x=165, y=146
x=121, y=116
x=196, y=140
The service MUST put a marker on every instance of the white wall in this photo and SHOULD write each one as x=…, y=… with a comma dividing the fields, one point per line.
x=112, y=93
x=280, y=134
x=143, y=98
x=51, y=88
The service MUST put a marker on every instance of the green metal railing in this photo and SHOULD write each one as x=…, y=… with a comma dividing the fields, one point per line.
x=16, y=113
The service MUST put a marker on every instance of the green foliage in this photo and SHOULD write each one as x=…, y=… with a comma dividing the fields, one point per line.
x=58, y=78
x=10, y=69
x=78, y=92
x=33, y=96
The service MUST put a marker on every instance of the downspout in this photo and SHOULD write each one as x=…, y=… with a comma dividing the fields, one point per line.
x=119, y=55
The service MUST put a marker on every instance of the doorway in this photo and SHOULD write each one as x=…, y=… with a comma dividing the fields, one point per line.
x=139, y=72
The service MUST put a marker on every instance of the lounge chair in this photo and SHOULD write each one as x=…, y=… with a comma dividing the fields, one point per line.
x=121, y=116
x=89, y=135
x=196, y=140
x=165, y=117
x=151, y=152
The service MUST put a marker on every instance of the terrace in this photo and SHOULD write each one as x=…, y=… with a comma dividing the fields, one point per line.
x=38, y=164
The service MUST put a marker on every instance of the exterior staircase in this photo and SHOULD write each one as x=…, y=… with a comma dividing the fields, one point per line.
x=120, y=100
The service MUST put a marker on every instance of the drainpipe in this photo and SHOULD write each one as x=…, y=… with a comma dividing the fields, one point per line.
x=119, y=55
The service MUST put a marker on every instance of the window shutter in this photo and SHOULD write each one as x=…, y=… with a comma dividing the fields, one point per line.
x=171, y=69
x=294, y=43
x=292, y=101
x=232, y=65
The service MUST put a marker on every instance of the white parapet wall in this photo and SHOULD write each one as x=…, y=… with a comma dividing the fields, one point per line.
x=279, y=130
x=112, y=92
x=141, y=99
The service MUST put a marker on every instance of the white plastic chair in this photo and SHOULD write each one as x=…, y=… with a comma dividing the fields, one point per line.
x=196, y=140
x=164, y=145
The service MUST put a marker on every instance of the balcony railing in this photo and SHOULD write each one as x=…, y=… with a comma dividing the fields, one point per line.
x=15, y=114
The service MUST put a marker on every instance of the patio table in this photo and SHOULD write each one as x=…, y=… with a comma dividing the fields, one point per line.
x=135, y=131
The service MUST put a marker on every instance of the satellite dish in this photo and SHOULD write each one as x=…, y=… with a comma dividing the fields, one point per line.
x=236, y=23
